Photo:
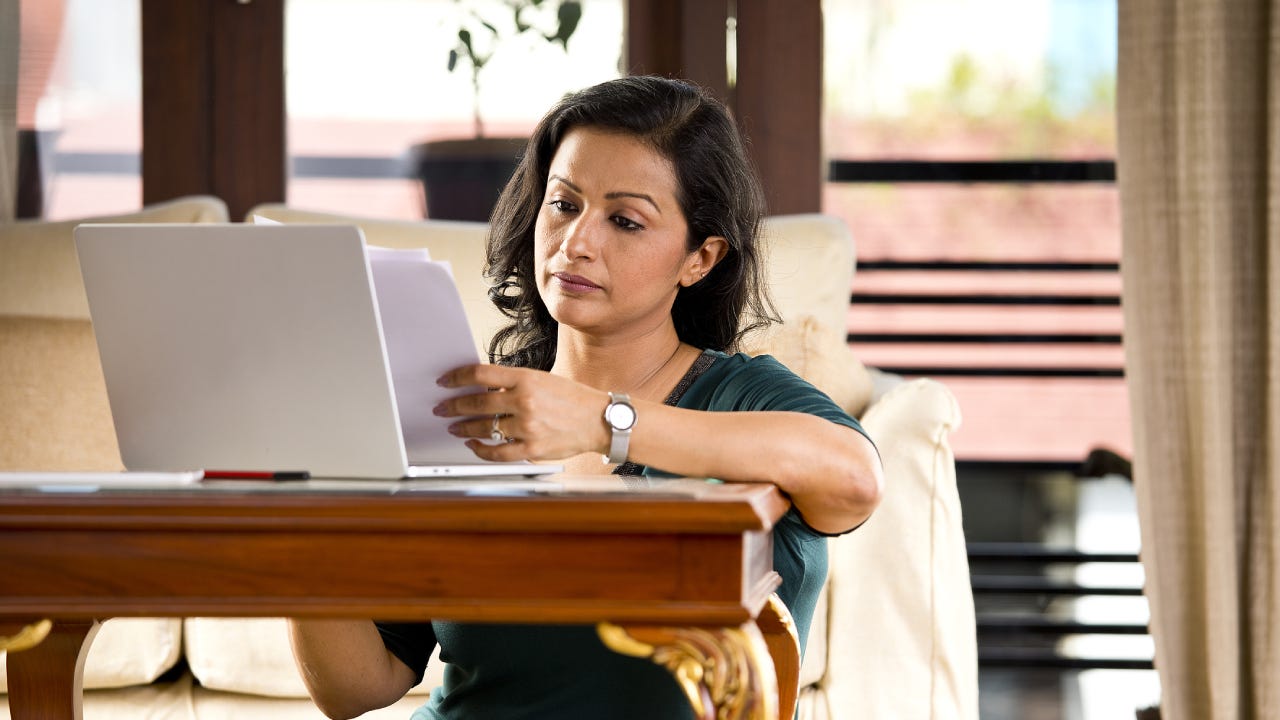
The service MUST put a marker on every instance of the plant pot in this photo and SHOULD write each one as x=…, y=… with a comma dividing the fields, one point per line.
x=461, y=179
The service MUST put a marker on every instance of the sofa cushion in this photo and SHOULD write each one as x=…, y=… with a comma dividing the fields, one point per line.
x=810, y=268
x=126, y=652
x=39, y=274
x=253, y=656
x=56, y=413
x=157, y=701
x=906, y=563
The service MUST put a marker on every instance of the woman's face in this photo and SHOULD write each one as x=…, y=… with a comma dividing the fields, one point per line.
x=610, y=239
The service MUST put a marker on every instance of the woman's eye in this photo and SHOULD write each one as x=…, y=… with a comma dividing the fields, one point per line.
x=626, y=223
x=561, y=205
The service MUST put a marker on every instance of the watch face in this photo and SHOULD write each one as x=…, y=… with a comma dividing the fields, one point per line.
x=621, y=416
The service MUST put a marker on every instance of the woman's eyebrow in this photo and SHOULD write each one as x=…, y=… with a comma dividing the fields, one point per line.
x=572, y=187
x=641, y=196
x=608, y=196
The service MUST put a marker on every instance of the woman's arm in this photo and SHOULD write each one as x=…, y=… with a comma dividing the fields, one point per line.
x=346, y=668
x=831, y=471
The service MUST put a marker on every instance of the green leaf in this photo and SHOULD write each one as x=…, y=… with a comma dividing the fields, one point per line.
x=569, y=15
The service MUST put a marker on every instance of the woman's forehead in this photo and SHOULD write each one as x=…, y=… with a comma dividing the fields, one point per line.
x=600, y=158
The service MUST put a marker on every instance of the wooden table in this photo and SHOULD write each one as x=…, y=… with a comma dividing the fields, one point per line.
x=675, y=570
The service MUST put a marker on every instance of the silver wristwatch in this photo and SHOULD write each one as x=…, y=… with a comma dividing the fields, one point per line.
x=620, y=416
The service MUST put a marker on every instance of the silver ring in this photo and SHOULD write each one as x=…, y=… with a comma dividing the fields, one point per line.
x=495, y=434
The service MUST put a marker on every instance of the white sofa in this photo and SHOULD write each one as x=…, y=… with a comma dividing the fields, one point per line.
x=892, y=638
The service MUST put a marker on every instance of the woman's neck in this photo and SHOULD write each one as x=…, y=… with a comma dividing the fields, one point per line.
x=646, y=366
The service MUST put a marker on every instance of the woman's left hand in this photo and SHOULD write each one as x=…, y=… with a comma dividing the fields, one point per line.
x=541, y=416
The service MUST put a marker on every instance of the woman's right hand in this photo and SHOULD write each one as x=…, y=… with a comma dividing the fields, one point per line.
x=543, y=416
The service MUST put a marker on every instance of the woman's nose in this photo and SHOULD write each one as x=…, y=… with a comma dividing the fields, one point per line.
x=580, y=241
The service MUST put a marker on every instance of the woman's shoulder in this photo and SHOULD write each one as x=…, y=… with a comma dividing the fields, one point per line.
x=733, y=379
x=738, y=362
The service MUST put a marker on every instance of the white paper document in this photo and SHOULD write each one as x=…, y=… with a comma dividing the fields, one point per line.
x=70, y=481
x=427, y=335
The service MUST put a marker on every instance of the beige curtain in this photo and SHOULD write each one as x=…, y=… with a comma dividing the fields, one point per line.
x=1199, y=172
x=9, y=26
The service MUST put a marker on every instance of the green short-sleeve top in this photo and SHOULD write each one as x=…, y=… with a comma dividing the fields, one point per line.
x=500, y=671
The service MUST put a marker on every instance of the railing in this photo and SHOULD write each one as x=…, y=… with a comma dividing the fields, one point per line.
x=1023, y=576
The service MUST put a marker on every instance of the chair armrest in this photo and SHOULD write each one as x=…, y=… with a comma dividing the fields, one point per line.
x=902, y=640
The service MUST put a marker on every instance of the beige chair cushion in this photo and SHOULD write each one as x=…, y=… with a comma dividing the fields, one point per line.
x=902, y=640
x=253, y=656
x=56, y=415
x=39, y=275
x=126, y=652
x=810, y=269
x=157, y=701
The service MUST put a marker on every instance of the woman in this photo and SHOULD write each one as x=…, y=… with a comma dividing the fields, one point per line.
x=625, y=252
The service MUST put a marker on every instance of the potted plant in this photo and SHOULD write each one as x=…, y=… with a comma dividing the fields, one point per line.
x=461, y=179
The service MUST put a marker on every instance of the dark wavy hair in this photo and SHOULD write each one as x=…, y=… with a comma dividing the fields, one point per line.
x=718, y=193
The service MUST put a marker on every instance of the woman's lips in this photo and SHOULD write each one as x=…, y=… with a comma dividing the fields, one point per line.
x=575, y=283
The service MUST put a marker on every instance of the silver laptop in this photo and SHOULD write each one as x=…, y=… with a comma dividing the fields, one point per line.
x=260, y=348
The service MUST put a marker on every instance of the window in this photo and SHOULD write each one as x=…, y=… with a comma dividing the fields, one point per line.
x=942, y=120
x=79, y=108
x=972, y=148
x=359, y=101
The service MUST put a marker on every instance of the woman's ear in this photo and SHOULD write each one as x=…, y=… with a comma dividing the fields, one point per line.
x=701, y=261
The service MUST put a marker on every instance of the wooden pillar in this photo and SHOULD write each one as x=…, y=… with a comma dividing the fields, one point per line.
x=778, y=99
x=213, y=101
x=679, y=38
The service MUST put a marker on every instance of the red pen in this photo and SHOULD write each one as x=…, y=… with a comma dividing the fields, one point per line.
x=256, y=475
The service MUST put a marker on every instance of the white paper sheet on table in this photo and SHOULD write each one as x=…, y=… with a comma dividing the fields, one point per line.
x=76, y=481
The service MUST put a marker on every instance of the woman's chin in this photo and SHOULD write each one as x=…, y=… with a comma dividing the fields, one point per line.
x=574, y=311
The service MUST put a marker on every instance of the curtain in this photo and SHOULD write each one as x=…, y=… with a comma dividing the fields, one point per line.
x=9, y=26
x=1198, y=109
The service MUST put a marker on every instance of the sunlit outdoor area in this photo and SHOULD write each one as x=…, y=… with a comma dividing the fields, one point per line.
x=1011, y=291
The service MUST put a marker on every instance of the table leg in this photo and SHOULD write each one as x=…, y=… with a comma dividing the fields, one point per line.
x=726, y=673
x=45, y=680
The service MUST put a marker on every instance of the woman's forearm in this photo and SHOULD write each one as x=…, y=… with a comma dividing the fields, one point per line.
x=831, y=472
x=345, y=666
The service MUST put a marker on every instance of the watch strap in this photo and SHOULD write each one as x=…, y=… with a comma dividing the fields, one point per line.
x=620, y=438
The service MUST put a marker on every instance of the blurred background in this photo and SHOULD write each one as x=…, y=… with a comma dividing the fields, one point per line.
x=969, y=145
